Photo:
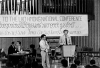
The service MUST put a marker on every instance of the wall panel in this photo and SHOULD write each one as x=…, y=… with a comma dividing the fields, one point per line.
x=93, y=39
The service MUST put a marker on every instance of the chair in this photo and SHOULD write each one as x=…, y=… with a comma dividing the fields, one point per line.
x=3, y=62
x=38, y=56
x=56, y=54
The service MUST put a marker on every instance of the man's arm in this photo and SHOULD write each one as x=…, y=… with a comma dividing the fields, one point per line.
x=47, y=45
x=60, y=41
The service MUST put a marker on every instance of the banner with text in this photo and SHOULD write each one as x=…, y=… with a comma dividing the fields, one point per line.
x=35, y=25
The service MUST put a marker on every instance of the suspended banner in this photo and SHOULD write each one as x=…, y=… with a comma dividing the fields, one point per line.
x=35, y=25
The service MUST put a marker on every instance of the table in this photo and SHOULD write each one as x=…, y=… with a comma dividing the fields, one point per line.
x=17, y=57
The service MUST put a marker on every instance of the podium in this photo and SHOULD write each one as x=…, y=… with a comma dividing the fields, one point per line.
x=68, y=51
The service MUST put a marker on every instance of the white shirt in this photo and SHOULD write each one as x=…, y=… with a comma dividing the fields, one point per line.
x=44, y=45
x=62, y=40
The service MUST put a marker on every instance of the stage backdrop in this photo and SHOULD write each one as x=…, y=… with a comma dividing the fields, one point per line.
x=35, y=25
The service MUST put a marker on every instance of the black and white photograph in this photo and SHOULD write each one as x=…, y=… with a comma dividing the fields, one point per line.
x=49, y=34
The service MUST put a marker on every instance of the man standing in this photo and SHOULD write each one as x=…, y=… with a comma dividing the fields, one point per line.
x=44, y=51
x=65, y=39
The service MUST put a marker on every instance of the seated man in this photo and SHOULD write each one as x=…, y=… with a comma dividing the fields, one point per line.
x=2, y=53
x=13, y=59
x=3, y=56
x=32, y=57
x=19, y=46
x=33, y=50
x=92, y=64
x=12, y=49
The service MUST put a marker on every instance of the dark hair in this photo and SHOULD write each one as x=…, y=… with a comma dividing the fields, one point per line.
x=42, y=35
x=65, y=31
x=19, y=42
x=32, y=46
x=92, y=62
x=76, y=45
x=64, y=62
x=12, y=43
x=77, y=62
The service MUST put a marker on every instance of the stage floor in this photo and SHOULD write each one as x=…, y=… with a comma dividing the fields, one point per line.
x=53, y=65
